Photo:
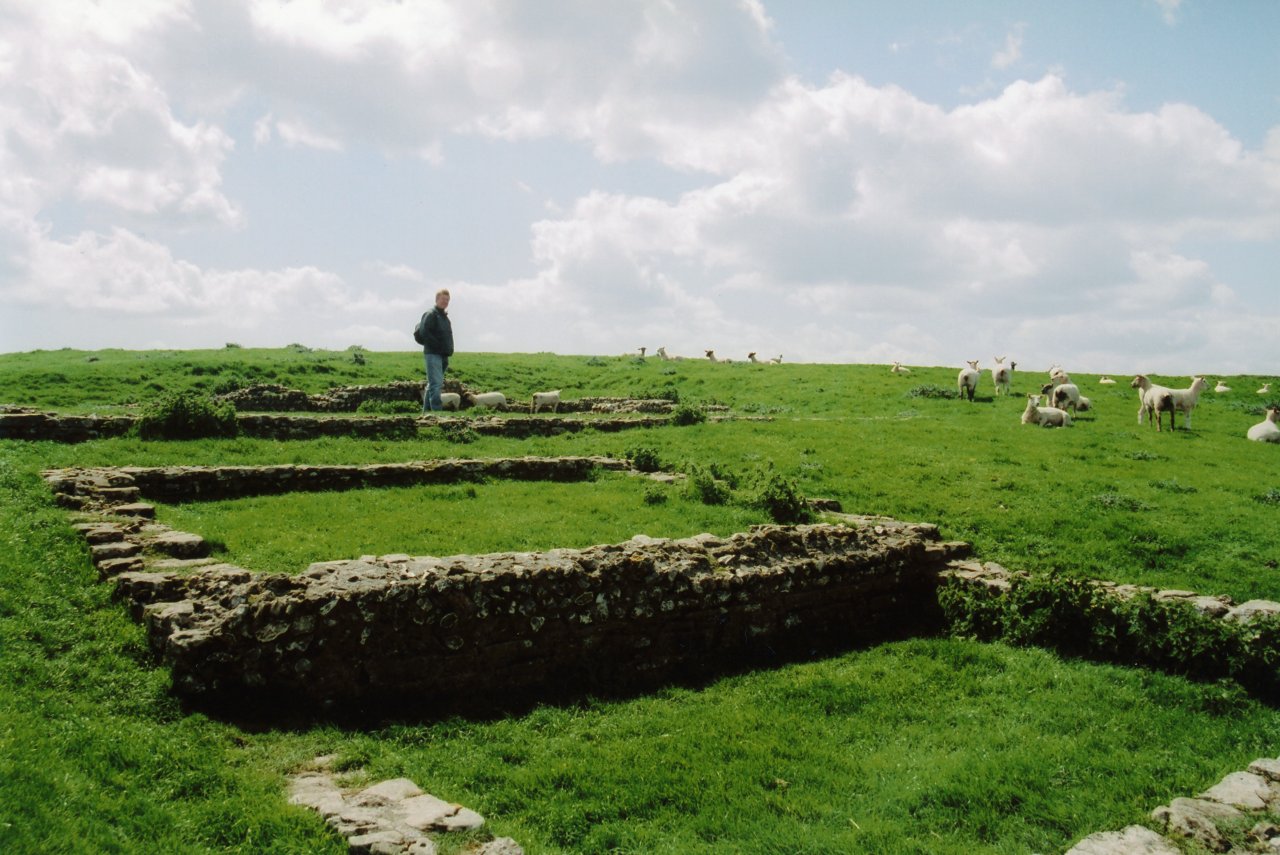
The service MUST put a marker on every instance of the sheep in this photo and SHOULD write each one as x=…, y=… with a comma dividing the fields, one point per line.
x=1002, y=375
x=450, y=400
x=899, y=368
x=666, y=357
x=1267, y=430
x=1221, y=387
x=1155, y=400
x=1063, y=395
x=495, y=400
x=967, y=379
x=642, y=350
x=1185, y=399
x=546, y=399
x=711, y=355
x=1058, y=375
x=1104, y=380
x=777, y=360
x=1035, y=414
x=1265, y=390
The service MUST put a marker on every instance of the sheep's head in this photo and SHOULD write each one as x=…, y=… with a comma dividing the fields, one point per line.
x=973, y=363
x=1139, y=381
x=1046, y=388
x=1273, y=414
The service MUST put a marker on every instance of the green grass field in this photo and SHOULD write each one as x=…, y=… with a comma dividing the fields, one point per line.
x=932, y=745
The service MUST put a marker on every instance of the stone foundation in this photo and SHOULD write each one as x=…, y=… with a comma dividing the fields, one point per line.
x=620, y=616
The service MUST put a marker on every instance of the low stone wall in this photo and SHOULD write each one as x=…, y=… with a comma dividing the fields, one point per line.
x=617, y=616
x=109, y=487
x=28, y=424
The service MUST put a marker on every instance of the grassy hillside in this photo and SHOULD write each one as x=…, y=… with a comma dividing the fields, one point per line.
x=932, y=745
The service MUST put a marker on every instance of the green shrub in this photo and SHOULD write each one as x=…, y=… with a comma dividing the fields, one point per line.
x=666, y=393
x=780, y=499
x=458, y=431
x=187, y=416
x=388, y=407
x=928, y=390
x=1271, y=497
x=654, y=494
x=1119, y=502
x=1076, y=618
x=703, y=486
x=688, y=414
x=644, y=458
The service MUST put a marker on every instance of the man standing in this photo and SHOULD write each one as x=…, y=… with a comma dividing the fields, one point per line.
x=437, y=347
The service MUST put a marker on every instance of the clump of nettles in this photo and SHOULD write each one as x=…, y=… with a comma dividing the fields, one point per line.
x=1271, y=497
x=654, y=494
x=458, y=431
x=187, y=416
x=779, y=497
x=703, y=486
x=644, y=458
x=687, y=414
x=931, y=391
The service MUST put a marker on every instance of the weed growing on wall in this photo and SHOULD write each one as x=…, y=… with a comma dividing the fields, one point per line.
x=779, y=497
x=187, y=416
x=644, y=458
x=688, y=414
x=388, y=408
x=1076, y=618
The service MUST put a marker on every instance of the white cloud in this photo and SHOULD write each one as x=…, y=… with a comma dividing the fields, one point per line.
x=1012, y=50
x=1169, y=10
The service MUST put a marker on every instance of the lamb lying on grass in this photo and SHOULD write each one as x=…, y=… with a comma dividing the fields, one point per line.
x=1035, y=414
x=1267, y=430
x=1104, y=380
x=899, y=368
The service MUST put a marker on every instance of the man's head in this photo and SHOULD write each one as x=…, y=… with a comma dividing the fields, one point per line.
x=442, y=298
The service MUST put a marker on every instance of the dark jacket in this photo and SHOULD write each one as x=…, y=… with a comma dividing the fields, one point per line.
x=439, y=333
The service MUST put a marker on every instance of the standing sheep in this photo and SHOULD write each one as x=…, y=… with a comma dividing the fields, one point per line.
x=1267, y=430
x=1002, y=375
x=546, y=399
x=1155, y=400
x=967, y=379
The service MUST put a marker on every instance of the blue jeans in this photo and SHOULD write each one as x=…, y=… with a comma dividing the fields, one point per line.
x=435, y=380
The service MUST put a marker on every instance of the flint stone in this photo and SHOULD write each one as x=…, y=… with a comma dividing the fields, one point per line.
x=1267, y=767
x=500, y=846
x=1244, y=790
x=1134, y=840
x=394, y=790
x=428, y=812
x=1198, y=820
x=1252, y=609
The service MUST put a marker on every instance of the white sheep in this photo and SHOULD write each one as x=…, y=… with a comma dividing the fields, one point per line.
x=899, y=368
x=666, y=357
x=1267, y=430
x=967, y=379
x=1221, y=387
x=1265, y=390
x=1185, y=399
x=777, y=360
x=1154, y=401
x=1002, y=374
x=493, y=400
x=711, y=355
x=1035, y=414
x=546, y=399
x=1063, y=395
x=450, y=400
x=1104, y=380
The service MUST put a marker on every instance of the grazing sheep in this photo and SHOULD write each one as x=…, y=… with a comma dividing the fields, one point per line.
x=1035, y=414
x=1265, y=390
x=967, y=379
x=494, y=400
x=450, y=400
x=1002, y=375
x=1221, y=387
x=1267, y=430
x=546, y=399
x=1155, y=400
x=1104, y=380
x=899, y=368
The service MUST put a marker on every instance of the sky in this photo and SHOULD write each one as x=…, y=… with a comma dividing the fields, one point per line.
x=1094, y=184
